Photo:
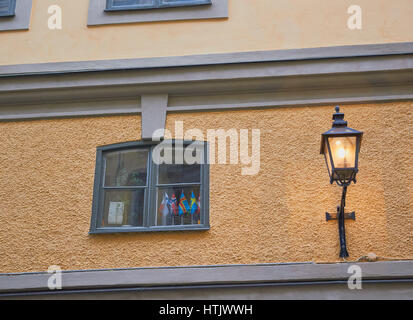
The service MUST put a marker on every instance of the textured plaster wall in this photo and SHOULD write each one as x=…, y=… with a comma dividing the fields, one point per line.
x=251, y=26
x=46, y=185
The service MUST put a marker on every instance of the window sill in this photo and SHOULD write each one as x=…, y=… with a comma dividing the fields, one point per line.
x=98, y=15
x=149, y=229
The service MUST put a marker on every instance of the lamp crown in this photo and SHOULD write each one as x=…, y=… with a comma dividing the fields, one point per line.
x=338, y=118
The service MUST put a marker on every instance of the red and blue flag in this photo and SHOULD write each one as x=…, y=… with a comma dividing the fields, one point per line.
x=183, y=204
x=174, y=205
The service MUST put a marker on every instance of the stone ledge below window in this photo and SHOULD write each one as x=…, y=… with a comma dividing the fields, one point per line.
x=380, y=280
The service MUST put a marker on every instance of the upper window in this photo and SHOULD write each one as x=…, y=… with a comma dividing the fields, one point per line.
x=104, y=12
x=15, y=14
x=150, y=187
x=116, y=5
x=7, y=8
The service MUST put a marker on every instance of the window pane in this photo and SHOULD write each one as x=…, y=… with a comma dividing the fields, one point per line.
x=126, y=168
x=169, y=174
x=184, y=2
x=177, y=170
x=137, y=3
x=178, y=206
x=123, y=208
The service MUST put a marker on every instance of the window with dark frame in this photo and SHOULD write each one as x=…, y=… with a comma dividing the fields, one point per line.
x=7, y=8
x=133, y=193
x=119, y=5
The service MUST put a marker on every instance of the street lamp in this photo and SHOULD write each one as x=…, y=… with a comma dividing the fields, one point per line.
x=341, y=146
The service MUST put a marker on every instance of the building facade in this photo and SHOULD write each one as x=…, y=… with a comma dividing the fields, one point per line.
x=87, y=86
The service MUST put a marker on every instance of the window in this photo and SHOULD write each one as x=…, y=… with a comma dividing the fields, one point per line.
x=106, y=12
x=7, y=8
x=116, y=5
x=15, y=14
x=147, y=186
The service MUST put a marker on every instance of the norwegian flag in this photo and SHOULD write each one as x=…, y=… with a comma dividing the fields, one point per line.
x=174, y=205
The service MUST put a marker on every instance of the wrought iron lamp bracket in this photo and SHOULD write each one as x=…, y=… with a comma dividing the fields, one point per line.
x=347, y=215
x=341, y=216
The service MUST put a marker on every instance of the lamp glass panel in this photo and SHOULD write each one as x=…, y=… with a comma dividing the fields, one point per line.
x=327, y=158
x=343, y=151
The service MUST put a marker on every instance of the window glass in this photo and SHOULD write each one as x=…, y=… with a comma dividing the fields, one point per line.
x=178, y=206
x=124, y=3
x=123, y=208
x=148, y=4
x=172, y=173
x=184, y=2
x=126, y=168
x=177, y=169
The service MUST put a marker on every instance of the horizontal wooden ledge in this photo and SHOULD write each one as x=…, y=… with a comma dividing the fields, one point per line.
x=295, y=96
x=371, y=76
x=347, y=51
x=162, y=79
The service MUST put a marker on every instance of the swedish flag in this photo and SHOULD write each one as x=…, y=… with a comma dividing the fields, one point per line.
x=193, y=204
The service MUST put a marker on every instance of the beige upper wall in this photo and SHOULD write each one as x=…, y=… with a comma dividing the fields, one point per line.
x=251, y=26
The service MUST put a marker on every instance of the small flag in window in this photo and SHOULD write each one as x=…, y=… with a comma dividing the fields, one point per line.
x=164, y=207
x=183, y=204
x=174, y=205
x=198, y=211
x=193, y=205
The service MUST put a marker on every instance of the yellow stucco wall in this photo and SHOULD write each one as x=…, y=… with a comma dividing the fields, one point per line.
x=47, y=173
x=251, y=26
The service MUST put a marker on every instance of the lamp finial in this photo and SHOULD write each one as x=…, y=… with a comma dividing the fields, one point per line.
x=338, y=118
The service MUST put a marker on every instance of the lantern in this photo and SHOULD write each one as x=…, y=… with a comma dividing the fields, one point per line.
x=341, y=146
